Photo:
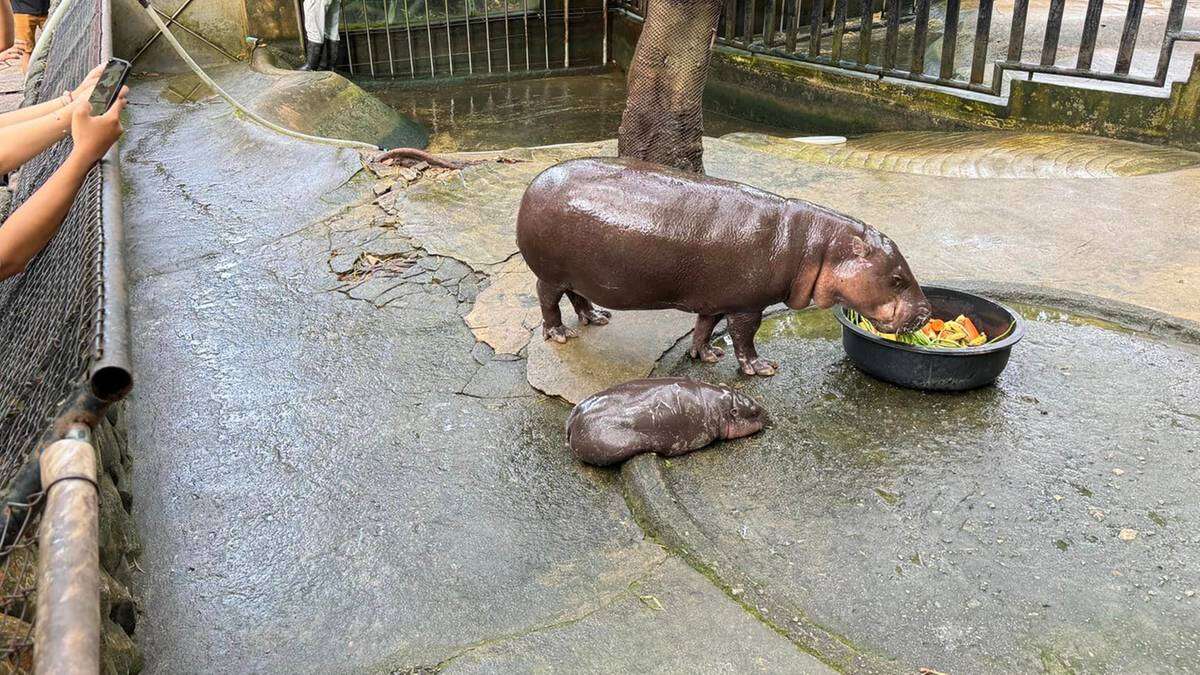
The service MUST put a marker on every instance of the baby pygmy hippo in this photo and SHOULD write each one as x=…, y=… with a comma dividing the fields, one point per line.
x=666, y=415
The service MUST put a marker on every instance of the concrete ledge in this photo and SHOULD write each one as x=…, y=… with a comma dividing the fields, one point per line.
x=660, y=515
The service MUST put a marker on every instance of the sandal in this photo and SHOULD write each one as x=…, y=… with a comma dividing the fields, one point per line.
x=14, y=54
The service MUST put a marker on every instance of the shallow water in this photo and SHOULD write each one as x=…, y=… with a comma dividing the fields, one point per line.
x=522, y=113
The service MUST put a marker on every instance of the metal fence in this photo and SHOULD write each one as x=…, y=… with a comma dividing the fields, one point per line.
x=976, y=45
x=419, y=39
x=62, y=323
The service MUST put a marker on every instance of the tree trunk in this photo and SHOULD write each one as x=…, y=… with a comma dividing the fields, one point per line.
x=664, y=114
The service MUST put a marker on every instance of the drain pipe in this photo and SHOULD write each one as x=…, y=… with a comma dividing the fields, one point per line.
x=253, y=116
x=67, y=630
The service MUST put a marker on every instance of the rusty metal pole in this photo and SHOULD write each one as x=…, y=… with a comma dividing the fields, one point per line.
x=67, y=633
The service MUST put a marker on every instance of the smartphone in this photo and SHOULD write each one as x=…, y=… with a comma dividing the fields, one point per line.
x=116, y=71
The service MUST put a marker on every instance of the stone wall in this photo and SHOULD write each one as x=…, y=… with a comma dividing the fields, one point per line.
x=789, y=93
x=119, y=546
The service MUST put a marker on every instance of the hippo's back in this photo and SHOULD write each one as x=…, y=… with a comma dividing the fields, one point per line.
x=633, y=235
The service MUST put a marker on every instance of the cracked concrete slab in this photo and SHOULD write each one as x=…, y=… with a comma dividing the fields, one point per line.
x=506, y=312
x=471, y=215
x=626, y=349
x=650, y=628
x=325, y=485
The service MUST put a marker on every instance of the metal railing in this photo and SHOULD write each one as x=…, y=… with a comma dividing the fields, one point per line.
x=63, y=361
x=924, y=40
x=419, y=39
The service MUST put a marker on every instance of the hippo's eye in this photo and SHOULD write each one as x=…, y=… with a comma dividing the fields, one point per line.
x=897, y=280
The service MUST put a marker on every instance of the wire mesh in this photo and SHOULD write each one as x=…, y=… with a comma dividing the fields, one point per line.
x=49, y=323
x=18, y=594
x=48, y=332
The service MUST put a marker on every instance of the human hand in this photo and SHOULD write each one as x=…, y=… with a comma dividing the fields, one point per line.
x=93, y=136
x=84, y=90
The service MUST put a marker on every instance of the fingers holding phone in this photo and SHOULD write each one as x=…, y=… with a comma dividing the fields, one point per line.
x=95, y=134
x=88, y=83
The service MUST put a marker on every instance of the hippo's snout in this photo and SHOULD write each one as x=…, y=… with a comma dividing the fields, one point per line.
x=923, y=315
x=910, y=311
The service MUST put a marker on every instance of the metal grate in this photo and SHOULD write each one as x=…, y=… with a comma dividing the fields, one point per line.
x=419, y=39
x=923, y=40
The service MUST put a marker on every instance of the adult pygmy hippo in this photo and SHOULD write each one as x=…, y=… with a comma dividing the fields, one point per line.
x=667, y=415
x=626, y=234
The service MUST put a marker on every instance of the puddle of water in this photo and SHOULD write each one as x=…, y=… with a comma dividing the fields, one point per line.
x=529, y=112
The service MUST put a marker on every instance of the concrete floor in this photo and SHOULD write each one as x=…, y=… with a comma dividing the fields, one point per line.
x=342, y=466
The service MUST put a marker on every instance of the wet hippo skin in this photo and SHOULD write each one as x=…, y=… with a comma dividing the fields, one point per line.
x=626, y=234
x=666, y=415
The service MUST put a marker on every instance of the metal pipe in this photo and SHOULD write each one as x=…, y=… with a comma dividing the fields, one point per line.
x=153, y=38
x=67, y=632
x=604, y=39
x=387, y=34
x=370, y=51
x=1133, y=20
x=487, y=34
x=1172, y=34
x=412, y=60
x=507, y=49
x=449, y=40
x=525, y=26
x=467, y=18
x=546, y=30
x=429, y=36
x=566, y=33
x=950, y=40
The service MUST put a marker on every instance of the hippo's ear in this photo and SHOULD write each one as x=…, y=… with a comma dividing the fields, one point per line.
x=859, y=246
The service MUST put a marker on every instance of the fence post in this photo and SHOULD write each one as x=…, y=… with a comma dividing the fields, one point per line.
x=67, y=633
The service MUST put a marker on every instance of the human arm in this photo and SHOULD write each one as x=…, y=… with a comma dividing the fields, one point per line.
x=80, y=93
x=30, y=227
x=7, y=29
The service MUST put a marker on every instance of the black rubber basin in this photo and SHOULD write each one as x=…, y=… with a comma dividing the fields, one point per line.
x=938, y=369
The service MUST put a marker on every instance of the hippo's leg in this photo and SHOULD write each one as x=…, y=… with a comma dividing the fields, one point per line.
x=552, y=325
x=586, y=311
x=702, y=337
x=742, y=327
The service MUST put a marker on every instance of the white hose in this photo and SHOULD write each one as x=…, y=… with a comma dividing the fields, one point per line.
x=255, y=117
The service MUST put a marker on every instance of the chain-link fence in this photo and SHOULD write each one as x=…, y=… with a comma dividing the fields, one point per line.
x=52, y=320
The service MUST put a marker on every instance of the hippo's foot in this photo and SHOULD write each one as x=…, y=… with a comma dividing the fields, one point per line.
x=559, y=334
x=596, y=317
x=759, y=366
x=707, y=353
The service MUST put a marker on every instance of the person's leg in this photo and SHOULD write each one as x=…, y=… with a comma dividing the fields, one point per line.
x=314, y=29
x=7, y=29
x=26, y=34
x=333, y=42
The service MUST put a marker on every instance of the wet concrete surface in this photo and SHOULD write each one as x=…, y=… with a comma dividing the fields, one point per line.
x=1044, y=524
x=529, y=112
x=332, y=476
x=342, y=466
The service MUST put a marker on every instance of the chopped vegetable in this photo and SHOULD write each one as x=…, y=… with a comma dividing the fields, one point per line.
x=956, y=333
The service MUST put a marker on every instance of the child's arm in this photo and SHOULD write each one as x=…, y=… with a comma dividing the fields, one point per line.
x=30, y=227
x=82, y=92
